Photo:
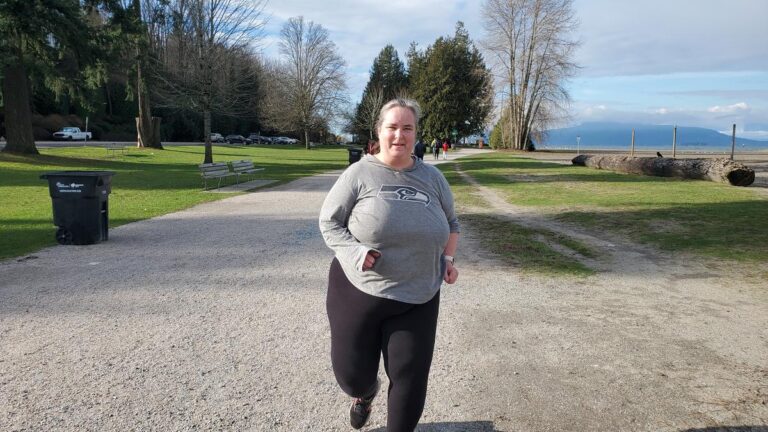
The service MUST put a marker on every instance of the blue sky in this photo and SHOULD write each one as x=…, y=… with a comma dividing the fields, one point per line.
x=686, y=62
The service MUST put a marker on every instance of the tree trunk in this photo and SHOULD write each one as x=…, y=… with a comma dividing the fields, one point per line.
x=718, y=170
x=147, y=127
x=207, y=136
x=156, y=132
x=306, y=138
x=151, y=134
x=108, y=97
x=18, y=112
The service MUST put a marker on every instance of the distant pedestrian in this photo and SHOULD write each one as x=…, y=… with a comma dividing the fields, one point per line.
x=372, y=147
x=446, y=145
x=419, y=149
x=436, y=150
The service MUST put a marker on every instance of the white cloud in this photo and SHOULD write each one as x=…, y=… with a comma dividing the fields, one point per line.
x=749, y=122
x=741, y=106
x=361, y=28
x=592, y=111
x=693, y=41
x=756, y=135
x=662, y=36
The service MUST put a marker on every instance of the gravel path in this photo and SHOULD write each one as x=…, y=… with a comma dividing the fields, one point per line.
x=213, y=319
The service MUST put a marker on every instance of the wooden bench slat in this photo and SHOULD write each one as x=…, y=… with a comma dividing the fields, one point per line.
x=217, y=170
x=244, y=167
x=221, y=170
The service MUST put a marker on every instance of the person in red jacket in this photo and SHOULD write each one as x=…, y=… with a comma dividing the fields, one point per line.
x=445, y=149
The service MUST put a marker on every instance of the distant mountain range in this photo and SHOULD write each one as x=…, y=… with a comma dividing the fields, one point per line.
x=599, y=135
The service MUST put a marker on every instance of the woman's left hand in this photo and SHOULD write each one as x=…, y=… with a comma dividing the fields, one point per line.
x=451, y=273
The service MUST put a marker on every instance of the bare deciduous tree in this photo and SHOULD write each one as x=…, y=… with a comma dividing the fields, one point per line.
x=314, y=75
x=369, y=109
x=205, y=53
x=276, y=113
x=529, y=41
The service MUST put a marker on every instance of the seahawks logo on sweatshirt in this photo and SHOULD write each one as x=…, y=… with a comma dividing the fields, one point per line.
x=403, y=193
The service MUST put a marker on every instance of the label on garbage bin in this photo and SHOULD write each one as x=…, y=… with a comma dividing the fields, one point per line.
x=69, y=188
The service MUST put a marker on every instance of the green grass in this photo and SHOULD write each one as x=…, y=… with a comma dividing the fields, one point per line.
x=529, y=249
x=147, y=183
x=705, y=218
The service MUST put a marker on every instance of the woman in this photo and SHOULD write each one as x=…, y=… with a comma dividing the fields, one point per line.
x=391, y=223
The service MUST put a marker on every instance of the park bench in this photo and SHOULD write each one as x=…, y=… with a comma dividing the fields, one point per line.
x=216, y=170
x=114, y=148
x=244, y=167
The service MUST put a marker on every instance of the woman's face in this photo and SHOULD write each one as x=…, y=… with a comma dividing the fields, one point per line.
x=397, y=136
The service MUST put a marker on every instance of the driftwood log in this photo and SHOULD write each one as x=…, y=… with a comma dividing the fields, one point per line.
x=719, y=170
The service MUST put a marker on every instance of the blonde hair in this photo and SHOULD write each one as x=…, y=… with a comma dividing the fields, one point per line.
x=399, y=103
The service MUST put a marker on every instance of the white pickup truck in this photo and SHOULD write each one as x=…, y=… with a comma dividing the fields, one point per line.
x=71, y=134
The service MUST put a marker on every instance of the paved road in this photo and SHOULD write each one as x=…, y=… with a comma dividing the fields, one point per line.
x=55, y=144
x=213, y=318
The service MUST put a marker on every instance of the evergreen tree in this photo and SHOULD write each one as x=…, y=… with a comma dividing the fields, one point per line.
x=387, y=80
x=452, y=84
x=130, y=49
x=50, y=40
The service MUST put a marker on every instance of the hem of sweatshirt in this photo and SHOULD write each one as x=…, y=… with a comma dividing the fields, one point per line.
x=387, y=296
x=398, y=299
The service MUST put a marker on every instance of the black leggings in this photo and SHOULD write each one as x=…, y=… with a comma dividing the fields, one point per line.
x=362, y=327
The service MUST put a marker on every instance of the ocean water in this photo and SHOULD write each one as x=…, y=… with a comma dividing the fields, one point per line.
x=753, y=147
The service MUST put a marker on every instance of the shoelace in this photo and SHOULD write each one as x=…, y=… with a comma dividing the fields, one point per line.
x=363, y=405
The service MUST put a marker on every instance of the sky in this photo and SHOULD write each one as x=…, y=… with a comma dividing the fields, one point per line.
x=679, y=62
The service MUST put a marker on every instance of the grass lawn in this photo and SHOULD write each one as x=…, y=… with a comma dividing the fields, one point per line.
x=692, y=216
x=147, y=183
x=531, y=250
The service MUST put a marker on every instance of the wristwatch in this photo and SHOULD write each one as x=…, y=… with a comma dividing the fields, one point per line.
x=450, y=259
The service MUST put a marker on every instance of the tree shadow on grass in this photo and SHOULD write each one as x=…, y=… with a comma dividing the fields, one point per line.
x=133, y=176
x=480, y=164
x=537, y=173
x=731, y=230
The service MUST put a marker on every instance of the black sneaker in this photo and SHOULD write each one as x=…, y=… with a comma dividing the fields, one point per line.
x=360, y=410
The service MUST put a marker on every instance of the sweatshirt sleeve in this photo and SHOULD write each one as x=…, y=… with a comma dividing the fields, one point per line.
x=446, y=201
x=334, y=216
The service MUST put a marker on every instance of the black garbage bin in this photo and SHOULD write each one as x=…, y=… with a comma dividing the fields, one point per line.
x=354, y=155
x=80, y=205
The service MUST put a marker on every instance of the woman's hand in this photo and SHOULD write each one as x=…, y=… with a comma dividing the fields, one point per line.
x=370, y=260
x=451, y=273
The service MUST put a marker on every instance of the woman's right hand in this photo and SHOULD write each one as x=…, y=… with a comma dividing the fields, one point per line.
x=370, y=259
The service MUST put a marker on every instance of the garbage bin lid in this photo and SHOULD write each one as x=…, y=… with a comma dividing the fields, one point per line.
x=77, y=174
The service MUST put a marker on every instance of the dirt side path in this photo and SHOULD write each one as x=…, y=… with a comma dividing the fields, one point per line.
x=653, y=342
x=213, y=319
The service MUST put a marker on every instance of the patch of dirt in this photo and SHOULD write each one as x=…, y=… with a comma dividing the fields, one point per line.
x=672, y=341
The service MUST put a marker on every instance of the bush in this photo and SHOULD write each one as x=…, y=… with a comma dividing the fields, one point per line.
x=44, y=126
x=40, y=134
x=495, y=140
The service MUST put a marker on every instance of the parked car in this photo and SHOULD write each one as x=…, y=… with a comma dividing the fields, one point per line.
x=217, y=137
x=285, y=140
x=237, y=139
x=258, y=139
x=71, y=134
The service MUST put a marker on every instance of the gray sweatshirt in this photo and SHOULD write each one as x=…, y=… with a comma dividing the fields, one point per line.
x=405, y=215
